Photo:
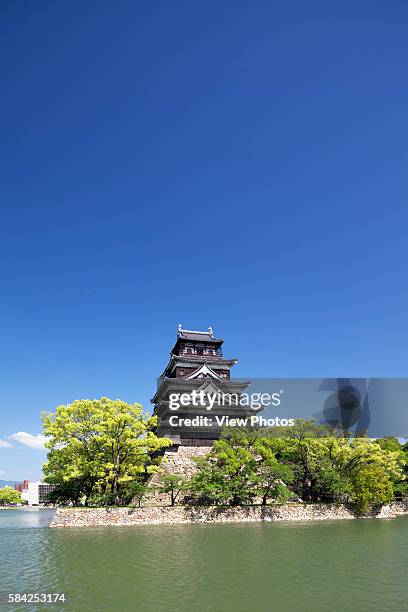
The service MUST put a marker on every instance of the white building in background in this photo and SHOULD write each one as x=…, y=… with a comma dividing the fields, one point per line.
x=30, y=493
x=35, y=493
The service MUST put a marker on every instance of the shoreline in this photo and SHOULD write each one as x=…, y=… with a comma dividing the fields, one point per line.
x=183, y=515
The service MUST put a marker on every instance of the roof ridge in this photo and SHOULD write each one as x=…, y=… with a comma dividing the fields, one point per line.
x=209, y=331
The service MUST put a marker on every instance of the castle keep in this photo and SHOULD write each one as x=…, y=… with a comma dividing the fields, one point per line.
x=197, y=369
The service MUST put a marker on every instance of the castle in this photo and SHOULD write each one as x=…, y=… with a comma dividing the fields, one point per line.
x=197, y=370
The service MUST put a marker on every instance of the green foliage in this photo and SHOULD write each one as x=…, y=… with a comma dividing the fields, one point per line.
x=390, y=443
x=173, y=484
x=207, y=486
x=371, y=487
x=130, y=492
x=400, y=485
x=8, y=495
x=102, y=452
x=302, y=429
x=102, y=444
x=228, y=475
x=99, y=499
x=69, y=492
x=309, y=461
x=134, y=491
x=239, y=470
x=274, y=477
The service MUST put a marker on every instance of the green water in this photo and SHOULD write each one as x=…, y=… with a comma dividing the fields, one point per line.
x=342, y=565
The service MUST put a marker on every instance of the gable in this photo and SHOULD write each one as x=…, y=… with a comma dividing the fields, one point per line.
x=204, y=371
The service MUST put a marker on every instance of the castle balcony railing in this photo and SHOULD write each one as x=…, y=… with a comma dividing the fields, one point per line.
x=201, y=352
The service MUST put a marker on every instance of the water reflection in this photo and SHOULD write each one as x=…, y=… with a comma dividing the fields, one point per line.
x=340, y=565
x=36, y=518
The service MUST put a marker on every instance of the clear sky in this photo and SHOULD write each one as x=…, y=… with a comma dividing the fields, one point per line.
x=239, y=164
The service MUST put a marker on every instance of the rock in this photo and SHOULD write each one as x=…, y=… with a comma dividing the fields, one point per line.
x=291, y=512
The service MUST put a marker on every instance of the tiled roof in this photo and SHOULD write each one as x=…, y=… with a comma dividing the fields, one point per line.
x=200, y=337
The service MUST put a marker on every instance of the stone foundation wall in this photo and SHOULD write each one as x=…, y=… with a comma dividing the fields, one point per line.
x=70, y=517
x=179, y=461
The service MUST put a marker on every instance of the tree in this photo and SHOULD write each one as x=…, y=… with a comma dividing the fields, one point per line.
x=372, y=470
x=173, y=484
x=70, y=492
x=329, y=484
x=8, y=495
x=105, y=443
x=208, y=485
x=324, y=465
x=339, y=469
x=302, y=429
x=325, y=462
x=300, y=448
x=304, y=456
x=73, y=474
x=273, y=476
x=400, y=483
x=372, y=487
x=228, y=473
x=240, y=469
x=135, y=491
x=390, y=443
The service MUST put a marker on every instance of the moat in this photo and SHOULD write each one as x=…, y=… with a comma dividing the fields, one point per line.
x=342, y=565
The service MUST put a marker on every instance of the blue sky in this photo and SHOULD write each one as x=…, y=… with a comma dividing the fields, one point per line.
x=235, y=164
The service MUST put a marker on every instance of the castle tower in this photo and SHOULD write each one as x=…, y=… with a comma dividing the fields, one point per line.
x=197, y=364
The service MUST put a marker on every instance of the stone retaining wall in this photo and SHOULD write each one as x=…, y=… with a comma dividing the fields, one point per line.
x=90, y=517
x=175, y=461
